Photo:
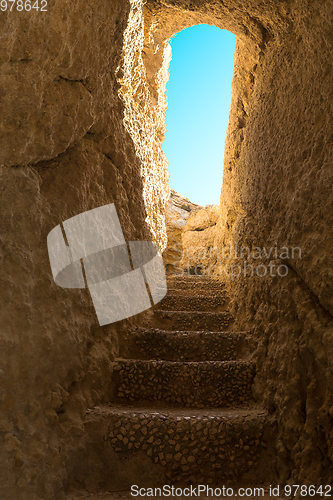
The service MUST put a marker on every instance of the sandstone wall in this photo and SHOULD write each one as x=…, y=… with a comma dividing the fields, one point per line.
x=277, y=192
x=177, y=214
x=279, y=169
x=193, y=236
x=63, y=151
x=200, y=241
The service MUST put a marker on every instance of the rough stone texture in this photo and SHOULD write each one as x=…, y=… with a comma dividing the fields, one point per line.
x=200, y=239
x=197, y=320
x=200, y=302
x=177, y=213
x=203, y=219
x=188, y=285
x=198, y=447
x=278, y=171
x=191, y=384
x=192, y=236
x=64, y=150
x=277, y=187
x=144, y=343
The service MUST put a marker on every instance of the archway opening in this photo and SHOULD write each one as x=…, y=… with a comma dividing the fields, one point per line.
x=199, y=95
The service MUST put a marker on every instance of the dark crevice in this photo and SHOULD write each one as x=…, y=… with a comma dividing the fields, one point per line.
x=109, y=157
x=312, y=294
x=24, y=60
x=203, y=228
x=266, y=36
x=44, y=163
x=244, y=112
x=82, y=81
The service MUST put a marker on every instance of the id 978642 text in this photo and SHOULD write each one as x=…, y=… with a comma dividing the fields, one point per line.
x=23, y=5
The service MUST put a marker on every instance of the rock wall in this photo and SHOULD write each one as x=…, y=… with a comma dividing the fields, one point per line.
x=193, y=236
x=177, y=213
x=279, y=169
x=200, y=239
x=64, y=150
x=277, y=194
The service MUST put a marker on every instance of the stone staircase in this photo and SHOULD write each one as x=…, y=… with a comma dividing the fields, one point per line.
x=182, y=408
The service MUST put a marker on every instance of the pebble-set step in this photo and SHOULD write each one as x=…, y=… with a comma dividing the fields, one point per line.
x=194, y=320
x=191, y=384
x=195, y=284
x=193, y=302
x=194, y=446
x=182, y=402
x=153, y=343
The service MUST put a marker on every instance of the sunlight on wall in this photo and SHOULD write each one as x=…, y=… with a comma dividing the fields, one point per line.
x=145, y=122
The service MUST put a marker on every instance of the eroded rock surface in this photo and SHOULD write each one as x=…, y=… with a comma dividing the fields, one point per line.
x=176, y=216
x=192, y=236
x=63, y=151
x=276, y=190
x=200, y=241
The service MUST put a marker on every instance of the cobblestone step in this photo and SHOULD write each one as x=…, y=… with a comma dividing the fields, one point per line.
x=150, y=343
x=190, y=278
x=193, y=320
x=182, y=409
x=201, y=284
x=173, y=446
x=190, y=384
x=176, y=302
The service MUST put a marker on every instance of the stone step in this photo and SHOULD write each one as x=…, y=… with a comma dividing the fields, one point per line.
x=151, y=447
x=190, y=384
x=201, y=284
x=153, y=343
x=192, y=320
x=177, y=302
x=185, y=277
x=196, y=290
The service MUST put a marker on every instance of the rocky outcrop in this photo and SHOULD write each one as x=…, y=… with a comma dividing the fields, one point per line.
x=192, y=236
x=177, y=214
x=200, y=240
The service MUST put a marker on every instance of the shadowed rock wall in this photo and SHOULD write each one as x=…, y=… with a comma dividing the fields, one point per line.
x=279, y=171
x=277, y=192
x=64, y=150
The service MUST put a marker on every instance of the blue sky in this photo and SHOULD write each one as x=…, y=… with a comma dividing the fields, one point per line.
x=198, y=94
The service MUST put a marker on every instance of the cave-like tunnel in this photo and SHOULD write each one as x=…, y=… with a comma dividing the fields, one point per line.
x=228, y=380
